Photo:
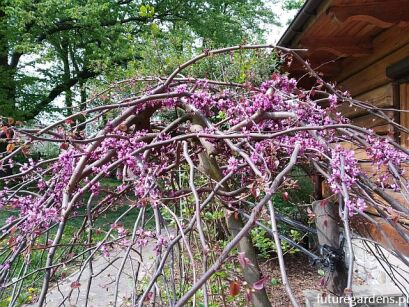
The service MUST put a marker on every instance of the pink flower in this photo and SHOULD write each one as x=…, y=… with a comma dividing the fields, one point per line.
x=351, y=170
x=333, y=100
x=355, y=206
x=232, y=164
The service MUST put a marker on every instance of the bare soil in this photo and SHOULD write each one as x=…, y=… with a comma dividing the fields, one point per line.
x=301, y=275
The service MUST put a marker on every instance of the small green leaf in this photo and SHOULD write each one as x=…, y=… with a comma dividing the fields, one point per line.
x=143, y=11
x=146, y=11
x=155, y=29
x=321, y=272
x=275, y=281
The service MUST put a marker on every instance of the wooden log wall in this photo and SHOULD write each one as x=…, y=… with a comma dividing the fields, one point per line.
x=365, y=78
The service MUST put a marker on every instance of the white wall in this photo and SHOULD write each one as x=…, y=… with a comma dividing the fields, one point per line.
x=369, y=269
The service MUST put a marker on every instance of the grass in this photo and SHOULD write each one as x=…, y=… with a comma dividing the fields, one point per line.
x=103, y=222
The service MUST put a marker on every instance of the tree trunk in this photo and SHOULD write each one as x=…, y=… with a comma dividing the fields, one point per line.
x=83, y=91
x=251, y=273
x=63, y=49
x=7, y=73
x=83, y=105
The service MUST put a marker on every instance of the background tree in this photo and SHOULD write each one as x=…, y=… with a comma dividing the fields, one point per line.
x=293, y=4
x=50, y=48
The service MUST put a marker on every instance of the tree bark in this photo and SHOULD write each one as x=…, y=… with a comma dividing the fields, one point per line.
x=63, y=50
x=7, y=72
x=251, y=273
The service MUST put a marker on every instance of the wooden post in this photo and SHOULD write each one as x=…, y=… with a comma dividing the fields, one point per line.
x=329, y=240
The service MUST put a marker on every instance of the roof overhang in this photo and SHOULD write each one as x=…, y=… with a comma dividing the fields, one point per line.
x=308, y=10
x=339, y=32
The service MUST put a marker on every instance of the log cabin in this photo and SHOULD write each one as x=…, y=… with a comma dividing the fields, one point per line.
x=363, y=47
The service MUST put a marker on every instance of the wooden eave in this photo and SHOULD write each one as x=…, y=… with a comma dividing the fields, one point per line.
x=338, y=33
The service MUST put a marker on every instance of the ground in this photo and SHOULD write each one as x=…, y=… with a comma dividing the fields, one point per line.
x=301, y=275
x=102, y=290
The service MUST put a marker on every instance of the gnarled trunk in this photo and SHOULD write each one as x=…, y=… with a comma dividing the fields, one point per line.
x=251, y=273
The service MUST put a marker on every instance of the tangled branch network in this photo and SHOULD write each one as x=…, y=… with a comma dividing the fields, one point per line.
x=183, y=149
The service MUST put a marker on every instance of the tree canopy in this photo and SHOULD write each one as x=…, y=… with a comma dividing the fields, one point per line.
x=293, y=4
x=51, y=49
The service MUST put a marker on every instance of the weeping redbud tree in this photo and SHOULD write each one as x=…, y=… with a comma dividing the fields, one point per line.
x=184, y=148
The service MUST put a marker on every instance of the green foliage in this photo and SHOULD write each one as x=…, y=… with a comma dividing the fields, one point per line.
x=147, y=11
x=275, y=281
x=23, y=299
x=289, y=5
x=264, y=243
x=300, y=194
x=262, y=240
x=45, y=150
x=58, y=49
x=246, y=66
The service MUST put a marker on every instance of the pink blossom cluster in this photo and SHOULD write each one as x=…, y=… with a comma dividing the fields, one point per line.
x=344, y=172
x=39, y=212
x=35, y=214
x=350, y=169
x=381, y=152
x=355, y=205
x=232, y=165
x=161, y=243
x=143, y=236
